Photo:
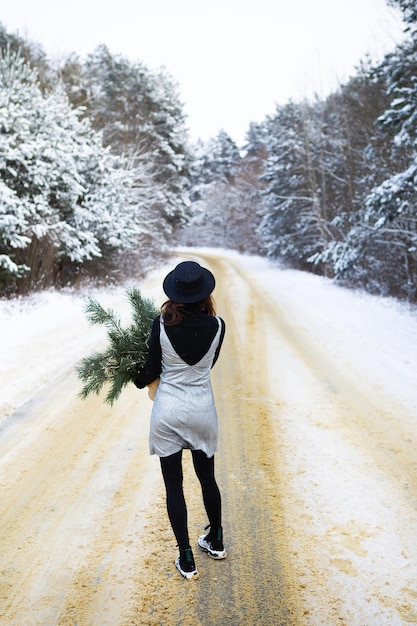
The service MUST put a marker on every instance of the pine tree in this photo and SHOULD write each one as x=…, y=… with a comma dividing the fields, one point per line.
x=126, y=351
x=140, y=116
x=291, y=226
x=390, y=214
x=64, y=198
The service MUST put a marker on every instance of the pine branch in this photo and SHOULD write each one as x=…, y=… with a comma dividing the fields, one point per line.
x=92, y=371
x=97, y=315
x=126, y=351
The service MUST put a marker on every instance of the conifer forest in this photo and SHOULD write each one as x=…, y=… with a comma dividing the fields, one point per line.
x=99, y=179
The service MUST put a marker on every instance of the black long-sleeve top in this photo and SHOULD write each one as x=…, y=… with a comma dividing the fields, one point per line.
x=191, y=339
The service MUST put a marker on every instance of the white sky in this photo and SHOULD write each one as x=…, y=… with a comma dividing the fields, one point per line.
x=234, y=60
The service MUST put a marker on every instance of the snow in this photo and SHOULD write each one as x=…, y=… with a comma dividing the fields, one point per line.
x=46, y=334
x=378, y=336
x=359, y=521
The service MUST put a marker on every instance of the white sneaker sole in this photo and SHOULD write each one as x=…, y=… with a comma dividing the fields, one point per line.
x=214, y=554
x=187, y=575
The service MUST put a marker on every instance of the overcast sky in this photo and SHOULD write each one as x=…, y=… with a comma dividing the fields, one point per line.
x=234, y=60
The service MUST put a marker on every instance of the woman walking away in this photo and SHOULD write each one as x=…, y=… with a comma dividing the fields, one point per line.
x=184, y=345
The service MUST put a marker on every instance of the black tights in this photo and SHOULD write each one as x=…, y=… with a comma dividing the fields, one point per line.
x=177, y=509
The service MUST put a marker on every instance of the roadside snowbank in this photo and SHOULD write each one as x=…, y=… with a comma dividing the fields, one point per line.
x=43, y=335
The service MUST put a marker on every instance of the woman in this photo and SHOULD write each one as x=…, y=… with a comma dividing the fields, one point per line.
x=184, y=345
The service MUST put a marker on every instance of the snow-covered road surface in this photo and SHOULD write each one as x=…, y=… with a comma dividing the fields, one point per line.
x=317, y=397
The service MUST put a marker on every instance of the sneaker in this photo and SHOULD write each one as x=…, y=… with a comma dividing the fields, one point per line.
x=185, y=564
x=213, y=546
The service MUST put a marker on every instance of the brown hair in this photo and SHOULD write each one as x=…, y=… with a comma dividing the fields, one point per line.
x=173, y=312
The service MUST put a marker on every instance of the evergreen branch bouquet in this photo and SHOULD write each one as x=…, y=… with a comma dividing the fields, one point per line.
x=126, y=350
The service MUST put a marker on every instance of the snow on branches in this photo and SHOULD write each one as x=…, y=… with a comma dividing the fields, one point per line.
x=59, y=184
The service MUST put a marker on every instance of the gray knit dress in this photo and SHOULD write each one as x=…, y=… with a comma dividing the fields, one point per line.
x=184, y=414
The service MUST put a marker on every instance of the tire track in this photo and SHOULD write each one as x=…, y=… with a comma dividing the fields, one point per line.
x=254, y=585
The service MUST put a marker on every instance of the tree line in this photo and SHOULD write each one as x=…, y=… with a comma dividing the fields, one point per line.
x=98, y=176
x=328, y=185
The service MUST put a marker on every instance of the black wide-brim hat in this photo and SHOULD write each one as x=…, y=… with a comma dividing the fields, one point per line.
x=188, y=282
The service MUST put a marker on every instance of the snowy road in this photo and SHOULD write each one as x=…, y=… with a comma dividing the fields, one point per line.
x=317, y=396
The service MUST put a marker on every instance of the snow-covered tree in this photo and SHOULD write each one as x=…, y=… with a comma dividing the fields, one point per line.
x=390, y=216
x=63, y=196
x=293, y=224
x=141, y=117
x=408, y=9
x=223, y=191
x=33, y=54
x=355, y=159
x=215, y=160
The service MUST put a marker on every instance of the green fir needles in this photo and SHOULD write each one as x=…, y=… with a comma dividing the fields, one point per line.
x=126, y=350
